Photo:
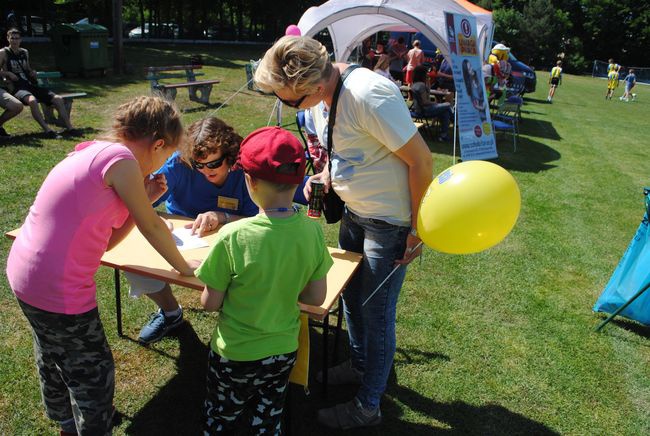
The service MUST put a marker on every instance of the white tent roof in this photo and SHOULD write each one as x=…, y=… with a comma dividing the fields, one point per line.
x=351, y=21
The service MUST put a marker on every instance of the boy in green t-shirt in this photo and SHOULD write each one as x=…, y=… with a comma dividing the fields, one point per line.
x=255, y=274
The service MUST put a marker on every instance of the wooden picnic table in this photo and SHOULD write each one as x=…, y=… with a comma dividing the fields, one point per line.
x=199, y=90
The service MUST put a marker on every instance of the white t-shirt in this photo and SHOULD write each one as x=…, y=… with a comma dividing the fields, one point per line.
x=372, y=122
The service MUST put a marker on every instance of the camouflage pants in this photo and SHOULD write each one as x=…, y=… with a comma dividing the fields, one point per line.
x=75, y=368
x=255, y=390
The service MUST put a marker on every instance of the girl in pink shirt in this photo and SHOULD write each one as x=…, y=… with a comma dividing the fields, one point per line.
x=86, y=205
x=415, y=57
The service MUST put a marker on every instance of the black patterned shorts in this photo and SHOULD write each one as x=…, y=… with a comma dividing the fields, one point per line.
x=246, y=395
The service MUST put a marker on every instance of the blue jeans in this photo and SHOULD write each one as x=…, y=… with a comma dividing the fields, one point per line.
x=443, y=113
x=371, y=328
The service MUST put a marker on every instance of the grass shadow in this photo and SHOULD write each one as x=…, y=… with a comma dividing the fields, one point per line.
x=177, y=408
x=633, y=327
x=204, y=108
x=531, y=156
x=457, y=417
x=539, y=129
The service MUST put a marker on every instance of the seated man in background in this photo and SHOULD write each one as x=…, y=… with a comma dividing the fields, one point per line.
x=14, y=62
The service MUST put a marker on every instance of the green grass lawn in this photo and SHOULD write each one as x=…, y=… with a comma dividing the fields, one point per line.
x=499, y=342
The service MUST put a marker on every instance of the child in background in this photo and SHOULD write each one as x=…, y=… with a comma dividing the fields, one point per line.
x=257, y=271
x=86, y=205
x=554, y=80
x=630, y=81
x=612, y=80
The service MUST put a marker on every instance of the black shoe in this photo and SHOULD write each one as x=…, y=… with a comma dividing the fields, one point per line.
x=71, y=132
x=52, y=135
x=3, y=133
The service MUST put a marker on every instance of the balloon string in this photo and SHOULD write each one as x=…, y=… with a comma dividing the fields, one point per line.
x=388, y=276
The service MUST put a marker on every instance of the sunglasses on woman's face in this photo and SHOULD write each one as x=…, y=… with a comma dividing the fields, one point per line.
x=294, y=104
x=213, y=164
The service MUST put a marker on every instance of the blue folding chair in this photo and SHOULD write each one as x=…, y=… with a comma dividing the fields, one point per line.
x=507, y=125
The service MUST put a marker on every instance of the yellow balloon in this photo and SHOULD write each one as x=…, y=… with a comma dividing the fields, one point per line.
x=468, y=208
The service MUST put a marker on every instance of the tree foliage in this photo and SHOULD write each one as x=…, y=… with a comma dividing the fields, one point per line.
x=538, y=31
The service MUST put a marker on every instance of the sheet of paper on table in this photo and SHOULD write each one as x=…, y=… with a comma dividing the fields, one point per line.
x=185, y=240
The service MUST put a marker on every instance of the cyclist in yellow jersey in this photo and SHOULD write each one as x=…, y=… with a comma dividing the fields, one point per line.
x=612, y=82
x=554, y=80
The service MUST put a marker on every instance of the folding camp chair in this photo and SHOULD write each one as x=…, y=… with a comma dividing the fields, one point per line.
x=507, y=125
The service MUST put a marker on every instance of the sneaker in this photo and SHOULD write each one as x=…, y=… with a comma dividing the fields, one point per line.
x=443, y=138
x=158, y=326
x=51, y=134
x=3, y=133
x=342, y=374
x=349, y=415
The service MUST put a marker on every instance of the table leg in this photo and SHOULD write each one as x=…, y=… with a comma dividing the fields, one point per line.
x=287, y=412
x=326, y=332
x=337, y=333
x=118, y=302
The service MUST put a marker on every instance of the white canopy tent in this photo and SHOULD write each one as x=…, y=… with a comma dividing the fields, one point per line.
x=351, y=21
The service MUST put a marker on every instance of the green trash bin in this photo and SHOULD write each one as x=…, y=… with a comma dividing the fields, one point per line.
x=80, y=48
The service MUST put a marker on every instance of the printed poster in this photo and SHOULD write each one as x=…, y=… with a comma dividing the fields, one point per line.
x=473, y=112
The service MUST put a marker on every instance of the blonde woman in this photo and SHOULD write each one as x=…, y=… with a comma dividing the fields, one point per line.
x=380, y=167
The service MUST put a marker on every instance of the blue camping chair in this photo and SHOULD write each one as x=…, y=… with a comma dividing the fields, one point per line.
x=507, y=125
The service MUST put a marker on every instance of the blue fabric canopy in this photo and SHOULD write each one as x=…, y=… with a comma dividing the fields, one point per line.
x=631, y=278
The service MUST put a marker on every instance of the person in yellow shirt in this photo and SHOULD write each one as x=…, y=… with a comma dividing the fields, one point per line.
x=612, y=80
x=554, y=80
x=612, y=66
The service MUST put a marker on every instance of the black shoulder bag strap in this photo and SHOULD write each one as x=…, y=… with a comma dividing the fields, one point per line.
x=332, y=114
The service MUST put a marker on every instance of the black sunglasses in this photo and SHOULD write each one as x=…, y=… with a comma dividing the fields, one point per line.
x=294, y=104
x=213, y=164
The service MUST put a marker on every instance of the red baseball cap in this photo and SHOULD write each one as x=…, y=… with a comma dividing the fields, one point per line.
x=273, y=154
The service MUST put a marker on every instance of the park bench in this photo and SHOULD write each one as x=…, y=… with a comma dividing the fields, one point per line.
x=45, y=79
x=199, y=90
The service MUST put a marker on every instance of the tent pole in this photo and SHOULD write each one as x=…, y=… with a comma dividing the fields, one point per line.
x=453, y=149
x=620, y=309
x=278, y=114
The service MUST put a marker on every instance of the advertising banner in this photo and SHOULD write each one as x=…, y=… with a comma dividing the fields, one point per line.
x=472, y=110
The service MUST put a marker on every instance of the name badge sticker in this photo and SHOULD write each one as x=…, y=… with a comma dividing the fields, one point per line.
x=227, y=203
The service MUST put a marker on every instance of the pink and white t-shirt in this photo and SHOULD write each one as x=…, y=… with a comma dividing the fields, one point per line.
x=53, y=260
